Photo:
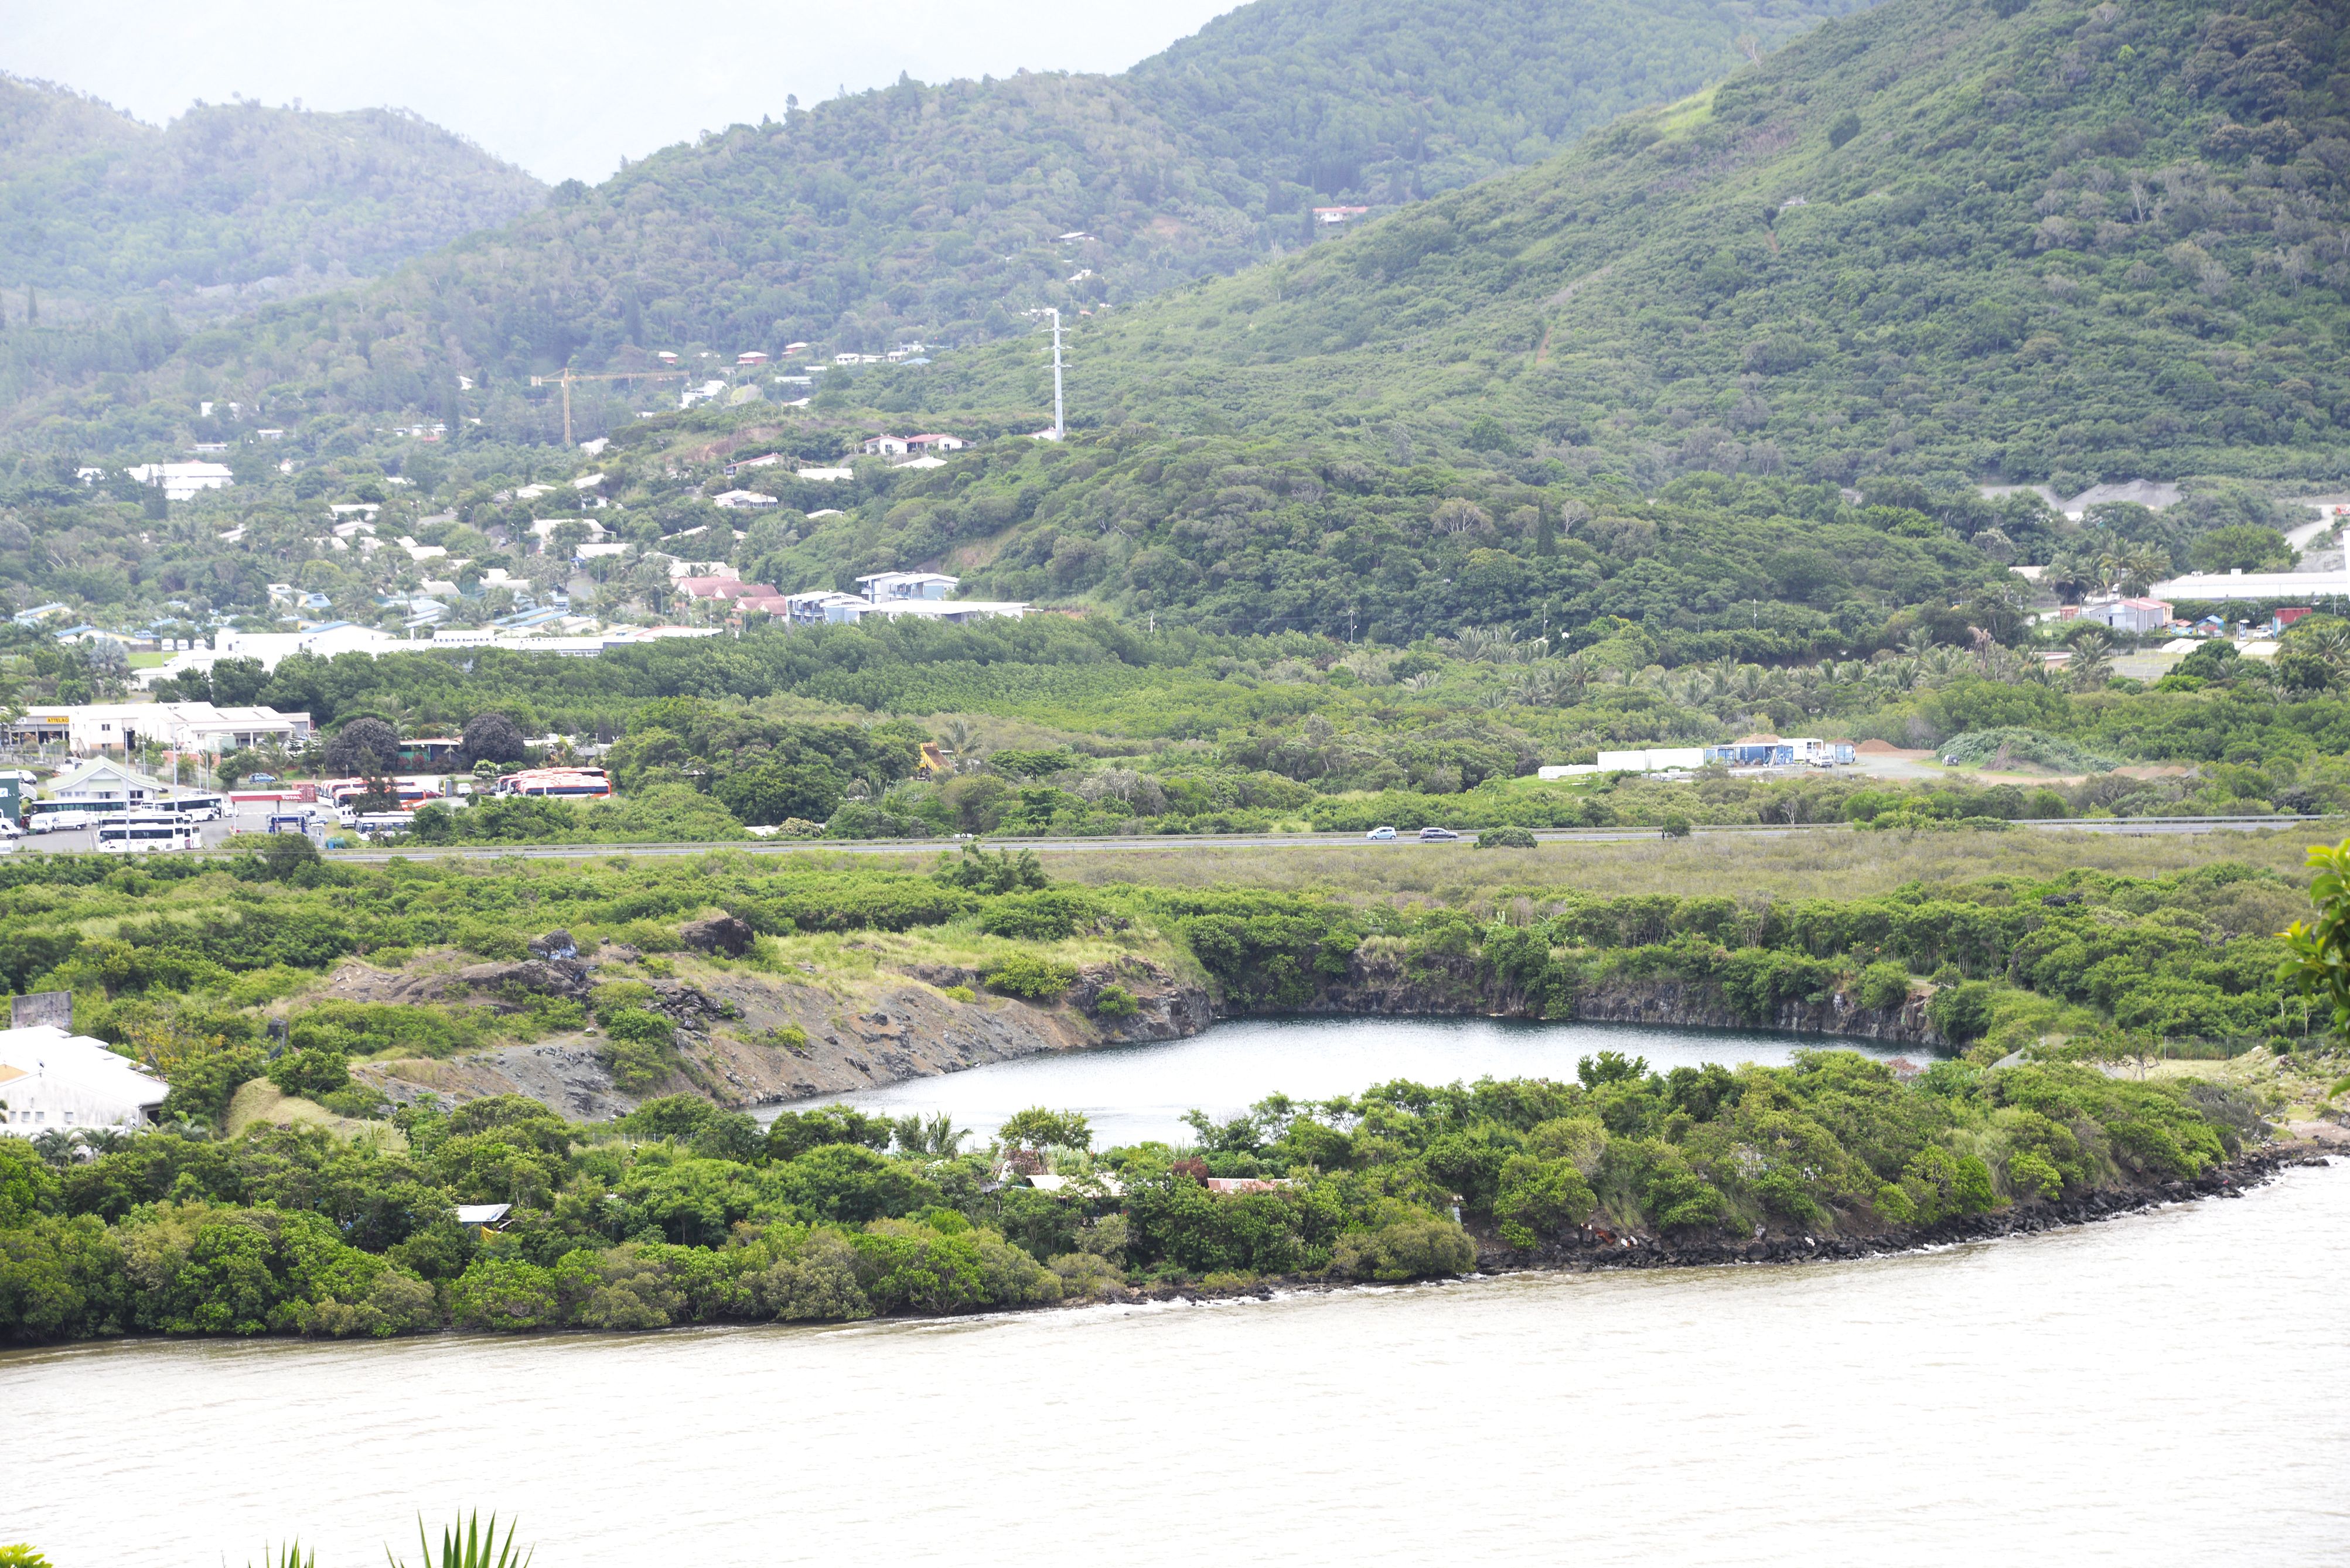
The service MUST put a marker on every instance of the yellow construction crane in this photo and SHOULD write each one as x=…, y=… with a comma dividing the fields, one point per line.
x=569, y=376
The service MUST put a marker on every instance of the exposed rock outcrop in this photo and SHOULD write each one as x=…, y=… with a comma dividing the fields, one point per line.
x=507, y=985
x=719, y=934
x=1689, y=1005
x=746, y=1037
x=1380, y=981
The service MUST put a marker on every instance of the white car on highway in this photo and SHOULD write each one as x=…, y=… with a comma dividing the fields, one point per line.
x=1381, y=835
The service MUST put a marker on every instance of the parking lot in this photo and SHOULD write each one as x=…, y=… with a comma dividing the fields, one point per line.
x=249, y=817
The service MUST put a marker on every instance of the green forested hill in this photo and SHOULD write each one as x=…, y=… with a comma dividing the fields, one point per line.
x=1392, y=99
x=95, y=206
x=117, y=237
x=934, y=213
x=2084, y=242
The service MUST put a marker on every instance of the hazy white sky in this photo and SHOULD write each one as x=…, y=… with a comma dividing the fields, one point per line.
x=564, y=89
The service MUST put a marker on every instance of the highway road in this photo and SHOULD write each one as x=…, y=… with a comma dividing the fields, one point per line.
x=253, y=819
x=1177, y=844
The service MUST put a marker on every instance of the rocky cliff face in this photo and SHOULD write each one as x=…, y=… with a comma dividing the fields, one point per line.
x=1380, y=982
x=746, y=1037
x=1689, y=1005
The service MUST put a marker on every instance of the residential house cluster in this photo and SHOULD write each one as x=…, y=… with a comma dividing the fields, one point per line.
x=1756, y=751
x=99, y=729
x=181, y=481
x=891, y=594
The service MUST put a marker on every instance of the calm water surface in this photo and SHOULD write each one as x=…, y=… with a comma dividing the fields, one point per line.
x=1135, y=1092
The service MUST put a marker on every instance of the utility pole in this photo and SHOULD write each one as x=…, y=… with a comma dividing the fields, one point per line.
x=1060, y=428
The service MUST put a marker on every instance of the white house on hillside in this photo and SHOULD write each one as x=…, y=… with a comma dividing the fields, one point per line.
x=881, y=586
x=51, y=1079
x=182, y=480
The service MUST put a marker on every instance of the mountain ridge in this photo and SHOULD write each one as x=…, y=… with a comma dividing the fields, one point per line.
x=2050, y=243
x=100, y=209
x=931, y=212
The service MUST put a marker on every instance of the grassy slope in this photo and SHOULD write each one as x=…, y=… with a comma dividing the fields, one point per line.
x=2052, y=243
x=1823, y=864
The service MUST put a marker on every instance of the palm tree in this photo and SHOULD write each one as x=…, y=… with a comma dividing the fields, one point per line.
x=2071, y=575
x=1576, y=670
x=2130, y=568
x=2091, y=664
x=2261, y=675
x=2331, y=644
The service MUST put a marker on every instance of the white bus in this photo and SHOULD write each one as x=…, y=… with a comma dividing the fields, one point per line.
x=67, y=815
x=559, y=784
x=146, y=834
x=194, y=807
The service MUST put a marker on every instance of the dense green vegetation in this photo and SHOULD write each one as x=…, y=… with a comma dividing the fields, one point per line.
x=684, y=1214
x=113, y=233
x=1066, y=726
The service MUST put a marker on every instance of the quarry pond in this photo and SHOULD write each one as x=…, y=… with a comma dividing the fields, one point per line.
x=1133, y=1093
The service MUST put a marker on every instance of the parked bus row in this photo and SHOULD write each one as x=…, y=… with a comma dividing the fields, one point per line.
x=176, y=823
x=67, y=815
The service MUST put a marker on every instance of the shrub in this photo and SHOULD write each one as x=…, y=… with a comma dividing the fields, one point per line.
x=1883, y=986
x=1418, y=1249
x=1961, y=1012
x=1051, y=915
x=640, y=1027
x=505, y=1293
x=1507, y=838
x=639, y=1046
x=1115, y=1002
x=2029, y=1174
x=1029, y=975
x=2023, y=745
x=815, y=1282
x=1540, y=1198
x=307, y=1074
